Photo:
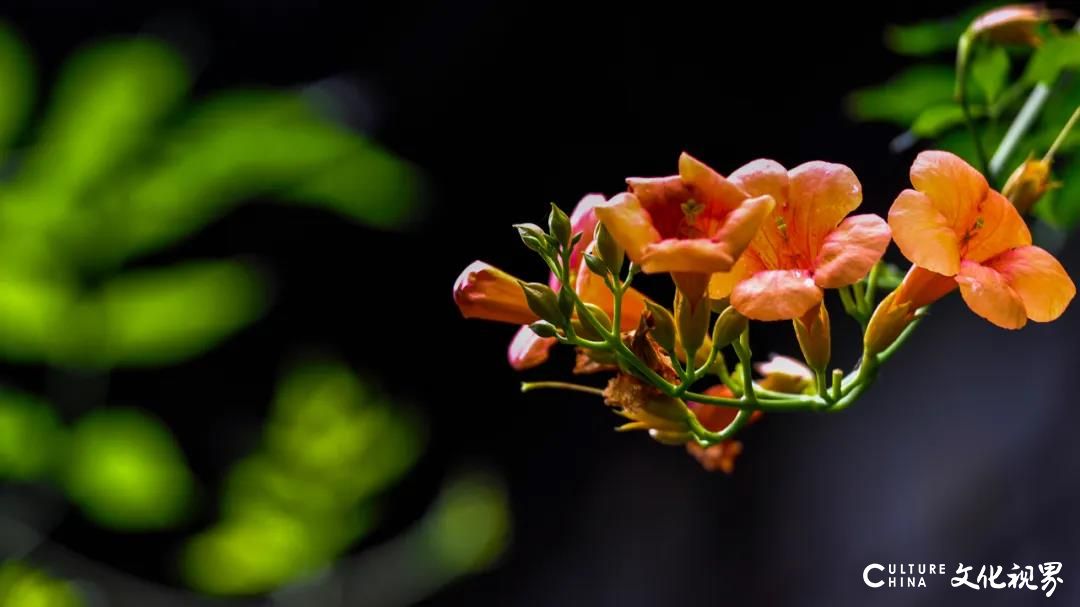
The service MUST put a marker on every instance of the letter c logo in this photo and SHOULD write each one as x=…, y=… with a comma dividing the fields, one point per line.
x=866, y=575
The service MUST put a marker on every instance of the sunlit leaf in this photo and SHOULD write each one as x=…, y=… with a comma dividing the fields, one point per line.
x=936, y=120
x=159, y=316
x=253, y=553
x=34, y=316
x=903, y=98
x=1061, y=207
x=328, y=424
x=245, y=144
x=31, y=437
x=126, y=472
x=470, y=524
x=931, y=36
x=1056, y=54
x=989, y=71
x=24, y=586
x=105, y=104
x=16, y=87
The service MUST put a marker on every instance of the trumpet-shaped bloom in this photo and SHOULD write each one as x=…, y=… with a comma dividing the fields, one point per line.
x=1012, y=24
x=483, y=291
x=806, y=245
x=696, y=222
x=966, y=234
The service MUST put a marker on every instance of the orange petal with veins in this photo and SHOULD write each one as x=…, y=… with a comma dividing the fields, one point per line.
x=1039, y=280
x=989, y=295
x=776, y=295
x=923, y=233
x=849, y=251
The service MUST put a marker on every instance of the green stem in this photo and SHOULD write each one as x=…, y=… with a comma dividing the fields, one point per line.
x=1060, y=139
x=980, y=151
x=708, y=436
x=560, y=385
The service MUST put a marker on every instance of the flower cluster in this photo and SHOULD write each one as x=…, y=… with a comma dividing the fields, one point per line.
x=763, y=243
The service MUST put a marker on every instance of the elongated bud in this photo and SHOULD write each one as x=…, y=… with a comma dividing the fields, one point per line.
x=543, y=302
x=691, y=323
x=889, y=320
x=533, y=237
x=1013, y=24
x=585, y=329
x=544, y=329
x=1027, y=184
x=484, y=291
x=674, y=439
x=663, y=325
x=596, y=265
x=815, y=340
x=609, y=250
x=728, y=326
x=559, y=225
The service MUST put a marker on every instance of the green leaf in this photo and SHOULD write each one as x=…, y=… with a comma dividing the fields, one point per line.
x=990, y=71
x=17, y=86
x=31, y=437
x=24, y=586
x=1060, y=207
x=160, y=316
x=34, y=316
x=934, y=121
x=904, y=97
x=126, y=472
x=105, y=105
x=1057, y=54
x=932, y=36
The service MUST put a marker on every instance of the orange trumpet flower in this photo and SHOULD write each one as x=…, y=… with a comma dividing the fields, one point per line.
x=690, y=225
x=806, y=246
x=483, y=291
x=960, y=233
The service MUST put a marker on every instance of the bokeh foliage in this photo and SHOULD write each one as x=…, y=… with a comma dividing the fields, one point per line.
x=22, y=585
x=122, y=164
x=921, y=100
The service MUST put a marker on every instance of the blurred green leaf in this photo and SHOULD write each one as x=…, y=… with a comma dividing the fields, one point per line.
x=902, y=99
x=34, y=316
x=160, y=316
x=126, y=472
x=105, y=104
x=931, y=36
x=24, y=586
x=1061, y=207
x=16, y=85
x=240, y=145
x=1056, y=54
x=990, y=71
x=31, y=437
x=934, y=121
x=470, y=525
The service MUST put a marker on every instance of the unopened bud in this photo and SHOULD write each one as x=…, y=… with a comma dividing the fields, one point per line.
x=691, y=323
x=542, y=301
x=666, y=437
x=544, y=329
x=889, y=320
x=559, y=225
x=815, y=340
x=728, y=326
x=533, y=237
x=1027, y=184
x=1013, y=24
x=609, y=250
x=663, y=325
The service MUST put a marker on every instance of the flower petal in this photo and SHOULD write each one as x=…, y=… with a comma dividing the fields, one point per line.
x=528, y=349
x=776, y=295
x=721, y=284
x=694, y=255
x=819, y=196
x=998, y=228
x=954, y=187
x=583, y=219
x=629, y=224
x=484, y=291
x=662, y=198
x=759, y=178
x=742, y=224
x=849, y=251
x=989, y=295
x=1039, y=280
x=591, y=289
x=923, y=233
x=707, y=186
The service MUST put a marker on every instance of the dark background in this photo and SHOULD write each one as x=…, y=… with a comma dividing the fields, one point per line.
x=964, y=451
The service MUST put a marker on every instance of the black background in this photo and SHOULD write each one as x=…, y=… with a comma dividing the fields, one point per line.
x=964, y=451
